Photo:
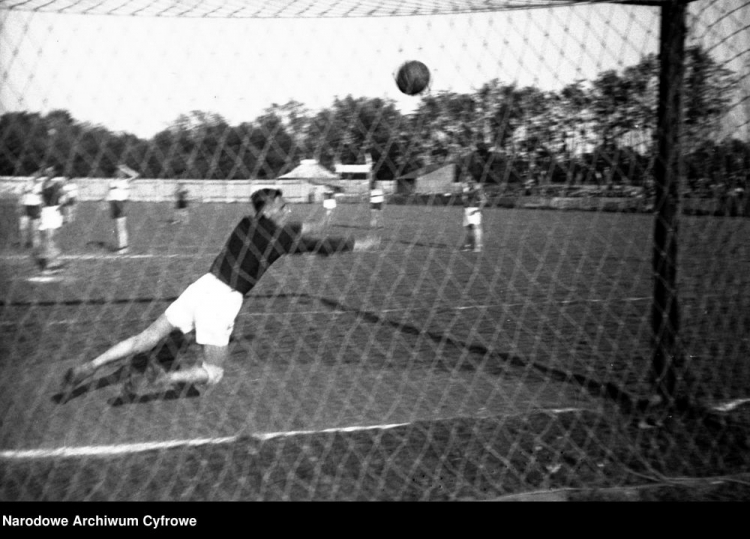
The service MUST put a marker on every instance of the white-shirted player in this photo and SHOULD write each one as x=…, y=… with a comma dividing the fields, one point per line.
x=50, y=222
x=377, y=201
x=474, y=200
x=70, y=200
x=118, y=196
x=329, y=204
x=31, y=210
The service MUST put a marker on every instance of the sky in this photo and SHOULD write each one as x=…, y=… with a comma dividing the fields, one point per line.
x=138, y=74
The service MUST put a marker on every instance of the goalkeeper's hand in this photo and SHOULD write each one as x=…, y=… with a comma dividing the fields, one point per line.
x=369, y=243
x=132, y=174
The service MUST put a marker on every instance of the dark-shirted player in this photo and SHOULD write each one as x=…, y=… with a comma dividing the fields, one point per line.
x=181, y=204
x=210, y=305
x=70, y=204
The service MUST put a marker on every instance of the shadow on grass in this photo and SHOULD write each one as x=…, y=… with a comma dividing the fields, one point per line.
x=99, y=245
x=494, y=362
x=117, y=377
x=360, y=227
x=164, y=355
x=429, y=245
x=90, y=301
x=180, y=391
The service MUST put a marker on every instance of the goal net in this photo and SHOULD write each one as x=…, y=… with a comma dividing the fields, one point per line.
x=562, y=219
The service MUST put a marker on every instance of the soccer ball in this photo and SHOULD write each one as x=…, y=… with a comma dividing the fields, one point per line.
x=413, y=77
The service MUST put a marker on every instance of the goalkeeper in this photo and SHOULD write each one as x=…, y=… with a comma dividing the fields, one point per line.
x=210, y=305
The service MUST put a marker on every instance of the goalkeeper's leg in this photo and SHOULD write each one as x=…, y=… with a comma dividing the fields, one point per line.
x=210, y=372
x=137, y=344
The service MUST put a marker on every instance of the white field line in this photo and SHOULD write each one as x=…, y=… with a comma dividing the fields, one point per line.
x=381, y=311
x=123, y=449
x=108, y=450
x=565, y=410
x=281, y=434
x=43, y=278
x=730, y=405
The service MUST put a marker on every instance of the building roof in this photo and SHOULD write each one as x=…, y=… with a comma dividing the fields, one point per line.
x=429, y=169
x=309, y=169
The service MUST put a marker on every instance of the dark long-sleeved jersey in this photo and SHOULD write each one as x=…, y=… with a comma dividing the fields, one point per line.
x=52, y=193
x=256, y=243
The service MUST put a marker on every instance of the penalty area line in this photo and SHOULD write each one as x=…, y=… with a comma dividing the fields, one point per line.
x=112, y=256
x=126, y=449
x=271, y=435
x=337, y=312
x=730, y=405
x=109, y=450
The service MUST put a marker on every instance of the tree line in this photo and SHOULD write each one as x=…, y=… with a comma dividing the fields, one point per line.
x=587, y=132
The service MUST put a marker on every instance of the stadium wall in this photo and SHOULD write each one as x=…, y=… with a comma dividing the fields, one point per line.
x=301, y=191
x=149, y=190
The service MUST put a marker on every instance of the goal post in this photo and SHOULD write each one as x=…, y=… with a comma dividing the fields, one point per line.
x=668, y=172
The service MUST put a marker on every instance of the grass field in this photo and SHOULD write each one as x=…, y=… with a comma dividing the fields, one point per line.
x=415, y=372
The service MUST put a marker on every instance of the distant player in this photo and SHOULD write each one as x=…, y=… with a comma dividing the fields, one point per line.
x=210, y=305
x=181, y=204
x=474, y=201
x=377, y=201
x=50, y=223
x=118, y=196
x=31, y=210
x=741, y=203
x=329, y=204
x=70, y=200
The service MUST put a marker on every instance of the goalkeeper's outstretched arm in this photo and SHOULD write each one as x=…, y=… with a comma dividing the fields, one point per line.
x=369, y=243
x=334, y=245
x=313, y=228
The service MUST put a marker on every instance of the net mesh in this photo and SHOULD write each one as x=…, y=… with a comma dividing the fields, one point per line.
x=287, y=8
x=420, y=370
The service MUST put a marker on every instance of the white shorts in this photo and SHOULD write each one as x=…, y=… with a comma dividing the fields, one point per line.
x=51, y=218
x=209, y=307
x=472, y=216
x=329, y=203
